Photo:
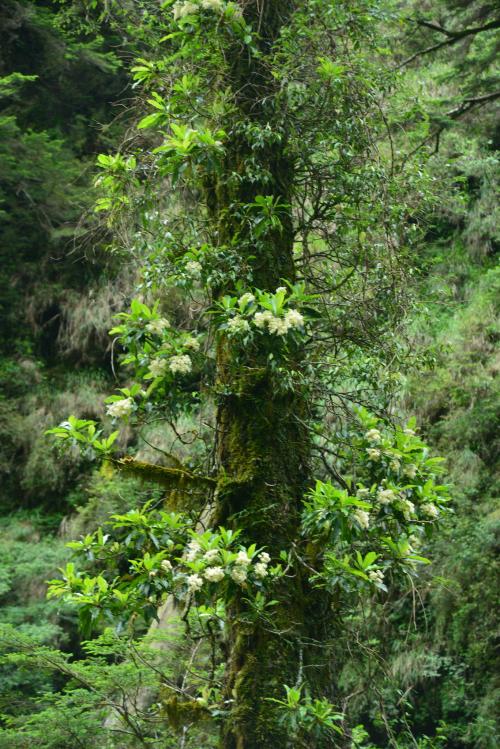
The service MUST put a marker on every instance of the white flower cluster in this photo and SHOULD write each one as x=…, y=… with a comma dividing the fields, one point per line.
x=389, y=496
x=239, y=575
x=194, y=268
x=158, y=367
x=192, y=344
x=410, y=470
x=415, y=542
x=375, y=453
x=275, y=324
x=362, y=517
x=386, y=496
x=212, y=555
x=194, y=582
x=260, y=569
x=180, y=364
x=237, y=325
x=180, y=10
x=430, y=510
x=119, y=409
x=183, y=9
x=243, y=559
x=156, y=327
x=279, y=325
x=376, y=576
x=246, y=299
x=407, y=508
x=214, y=573
x=261, y=319
x=194, y=549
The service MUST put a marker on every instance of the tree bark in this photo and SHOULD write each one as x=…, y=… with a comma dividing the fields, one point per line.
x=263, y=449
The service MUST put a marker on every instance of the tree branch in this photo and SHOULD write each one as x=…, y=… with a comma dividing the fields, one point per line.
x=169, y=477
x=465, y=106
x=464, y=32
x=470, y=102
x=451, y=38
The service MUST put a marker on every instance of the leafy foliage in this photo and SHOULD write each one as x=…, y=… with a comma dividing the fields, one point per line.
x=192, y=197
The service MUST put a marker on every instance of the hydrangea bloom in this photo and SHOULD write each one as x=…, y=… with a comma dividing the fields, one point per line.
x=410, y=471
x=363, y=518
x=430, y=509
x=194, y=582
x=386, y=496
x=214, y=574
x=211, y=555
x=158, y=367
x=294, y=319
x=261, y=319
x=180, y=364
x=184, y=9
x=237, y=325
x=239, y=575
x=243, y=558
x=194, y=268
x=121, y=408
x=415, y=541
x=278, y=325
x=260, y=569
x=407, y=508
x=246, y=299
x=156, y=327
x=194, y=549
x=192, y=344
x=216, y=5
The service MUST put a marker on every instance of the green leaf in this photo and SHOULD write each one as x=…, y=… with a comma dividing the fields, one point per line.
x=150, y=120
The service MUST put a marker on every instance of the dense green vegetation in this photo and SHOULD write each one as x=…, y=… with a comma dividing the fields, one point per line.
x=396, y=233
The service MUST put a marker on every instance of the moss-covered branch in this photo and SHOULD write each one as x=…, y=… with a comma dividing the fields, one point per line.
x=172, y=478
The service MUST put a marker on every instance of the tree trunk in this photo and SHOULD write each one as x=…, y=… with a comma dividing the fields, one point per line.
x=263, y=449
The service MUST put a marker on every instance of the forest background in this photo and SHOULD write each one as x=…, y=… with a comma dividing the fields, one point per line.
x=426, y=674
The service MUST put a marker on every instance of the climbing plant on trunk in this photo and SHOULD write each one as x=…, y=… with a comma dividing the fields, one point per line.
x=257, y=194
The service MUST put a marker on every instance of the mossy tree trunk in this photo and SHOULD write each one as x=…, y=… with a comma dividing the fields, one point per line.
x=263, y=448
x=264, y=451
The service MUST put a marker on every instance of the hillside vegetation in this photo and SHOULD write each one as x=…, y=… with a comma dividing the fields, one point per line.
x=408, y=140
